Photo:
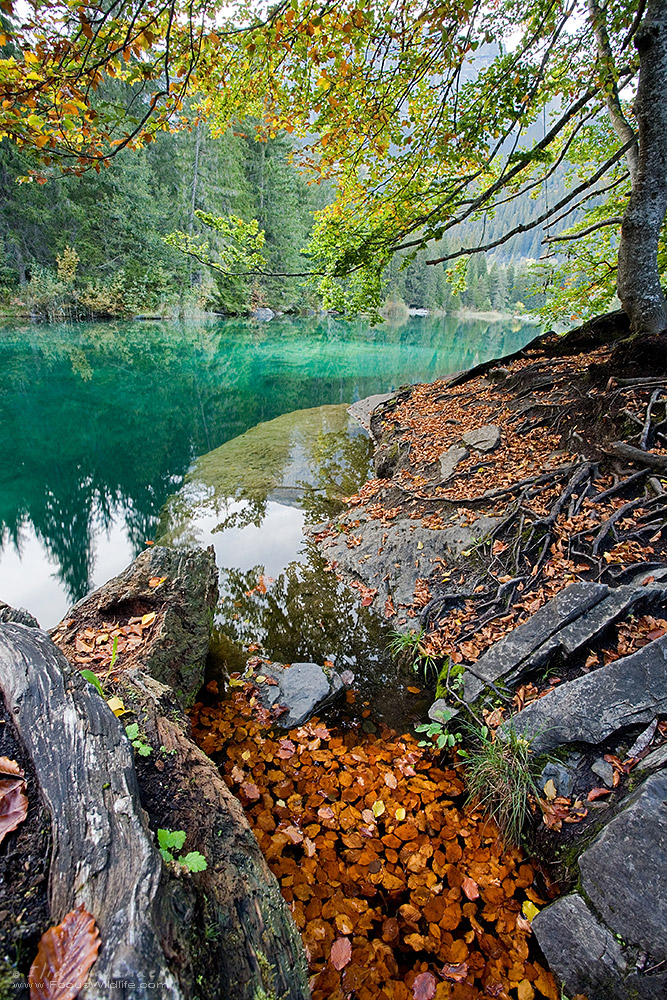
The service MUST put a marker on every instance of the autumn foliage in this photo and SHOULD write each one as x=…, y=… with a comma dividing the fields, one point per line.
x=397, y=890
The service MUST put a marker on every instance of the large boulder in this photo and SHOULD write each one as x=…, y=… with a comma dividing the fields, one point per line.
x=611, y=945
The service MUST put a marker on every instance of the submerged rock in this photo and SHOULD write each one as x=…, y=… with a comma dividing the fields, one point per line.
x=302, y=688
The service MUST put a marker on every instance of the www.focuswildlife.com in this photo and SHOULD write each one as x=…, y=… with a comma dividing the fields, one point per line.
x=113, y=984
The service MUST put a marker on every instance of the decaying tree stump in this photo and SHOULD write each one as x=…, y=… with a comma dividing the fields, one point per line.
x=221, y=933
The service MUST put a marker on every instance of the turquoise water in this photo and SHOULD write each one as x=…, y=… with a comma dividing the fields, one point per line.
x=101, y=422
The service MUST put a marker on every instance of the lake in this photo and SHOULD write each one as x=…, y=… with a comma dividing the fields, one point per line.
x=101, y=423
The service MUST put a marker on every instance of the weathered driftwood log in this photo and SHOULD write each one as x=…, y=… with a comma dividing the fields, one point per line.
x=103, y=852
x=224, y=932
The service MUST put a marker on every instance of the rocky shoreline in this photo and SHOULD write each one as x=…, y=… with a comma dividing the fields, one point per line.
x=516, y=526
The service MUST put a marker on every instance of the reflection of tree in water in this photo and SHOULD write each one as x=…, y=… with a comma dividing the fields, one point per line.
x=306, y=614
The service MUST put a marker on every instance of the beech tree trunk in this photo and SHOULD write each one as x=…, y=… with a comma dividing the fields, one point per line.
x=638, y=278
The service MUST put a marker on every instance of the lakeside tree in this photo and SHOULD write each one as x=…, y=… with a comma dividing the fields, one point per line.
x=423, y=117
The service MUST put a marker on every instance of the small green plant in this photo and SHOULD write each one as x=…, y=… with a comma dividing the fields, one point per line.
x=114, y=654
x=501, y=774
x=170, y=841
x=450, y=678
x=92, y=679
x=407, y=646
x=438, y=733
x=132, y=733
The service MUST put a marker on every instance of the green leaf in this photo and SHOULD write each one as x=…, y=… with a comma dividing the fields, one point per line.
x=142, y=748
x=132, y=731
x=194, y=861
x=171, y=839
x=166, y=855
x=92, y=679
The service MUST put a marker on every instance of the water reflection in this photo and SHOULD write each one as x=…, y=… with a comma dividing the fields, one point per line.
x=101, y=422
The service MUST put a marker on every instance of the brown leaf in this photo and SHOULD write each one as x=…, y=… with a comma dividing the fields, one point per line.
x=250, y=790
x=8, y=766
x=341, y=953
x=64, y=957
x=424, y=986
x=596, y=793
x=13, y=805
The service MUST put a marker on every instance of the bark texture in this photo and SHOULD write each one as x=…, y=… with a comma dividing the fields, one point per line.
x=639, y=287
x=103, y=853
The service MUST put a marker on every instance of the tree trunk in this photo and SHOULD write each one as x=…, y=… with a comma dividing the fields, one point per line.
x=638, y=278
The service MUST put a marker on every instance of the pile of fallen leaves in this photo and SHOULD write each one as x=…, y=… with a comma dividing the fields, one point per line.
x=100, y=647
x=399, y=892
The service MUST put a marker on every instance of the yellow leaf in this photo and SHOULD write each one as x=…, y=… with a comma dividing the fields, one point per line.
x=400, y=814
x=117, y=706
x=378, y=808
x=550, y=790
x=148, y=619
x=525, y=990
x=529, y=910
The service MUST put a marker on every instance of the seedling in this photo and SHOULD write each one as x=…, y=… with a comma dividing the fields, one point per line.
x=173, y=840
x=132, y=733
x=438, y=732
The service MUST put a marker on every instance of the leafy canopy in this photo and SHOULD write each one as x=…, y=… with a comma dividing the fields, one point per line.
x=422, y=116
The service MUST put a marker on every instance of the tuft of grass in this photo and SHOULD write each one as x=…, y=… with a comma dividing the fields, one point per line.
x=501, y=774
x=407, y=646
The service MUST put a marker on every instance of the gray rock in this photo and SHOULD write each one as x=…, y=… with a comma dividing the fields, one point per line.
x=450, y=459
x=484, y=439
x=508, y=656
x=392, y=557
x=627, y=692
x=439, y=708
x=603, y=769
x=580, y=950
x=363, y=409
x=263, y=315
x=624, y=871
x=543, y=638
x=303, y=688
x=562, y=777
x=655, y=760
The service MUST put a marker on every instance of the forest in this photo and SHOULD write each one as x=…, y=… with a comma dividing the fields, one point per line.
x=333, y=501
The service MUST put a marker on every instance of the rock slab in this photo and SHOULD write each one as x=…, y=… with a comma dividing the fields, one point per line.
x=580, y=950
x=484, y=439
x=627, y=863
x=621, y=694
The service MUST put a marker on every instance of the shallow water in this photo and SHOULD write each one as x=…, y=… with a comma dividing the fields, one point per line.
x=101, y=423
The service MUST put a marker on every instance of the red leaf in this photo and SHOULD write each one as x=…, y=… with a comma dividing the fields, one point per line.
x=13, y=805
x=250, y=791
x=596, y=793
x=341, y=953
x=457, y=973
x=424, y=986
x=64, y=957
